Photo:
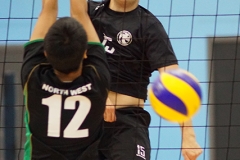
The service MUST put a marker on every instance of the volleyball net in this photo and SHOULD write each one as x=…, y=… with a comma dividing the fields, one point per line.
x=205, y=38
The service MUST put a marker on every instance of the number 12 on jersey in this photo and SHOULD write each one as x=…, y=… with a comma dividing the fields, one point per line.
x=72, y=130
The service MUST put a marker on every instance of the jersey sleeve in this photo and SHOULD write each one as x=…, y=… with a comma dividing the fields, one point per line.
x=33, y=55
x=92, y=6
x=96, y=58
x=158, y=47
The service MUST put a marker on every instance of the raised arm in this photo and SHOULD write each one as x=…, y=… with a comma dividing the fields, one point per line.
x=79, y=12
x=190, y=147
x=46, y=18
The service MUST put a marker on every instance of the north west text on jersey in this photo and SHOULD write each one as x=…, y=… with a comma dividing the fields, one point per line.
x=67, y=92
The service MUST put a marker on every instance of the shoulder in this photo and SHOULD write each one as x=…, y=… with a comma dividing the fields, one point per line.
x=33, y=56
x=33, y=44
x=94, y=46
x=95, y=8
x=95, y=54
x=34, y=50
x=36, y=73
x=147, y=13
x=148, y=18
x=150, y=24
x=92, y=5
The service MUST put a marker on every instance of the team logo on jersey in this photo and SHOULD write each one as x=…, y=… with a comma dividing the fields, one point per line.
x=124, y=38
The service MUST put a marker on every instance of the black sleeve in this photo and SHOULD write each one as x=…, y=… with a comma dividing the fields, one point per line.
x=158, y=47
x=95, y=8
x=33, y=55
x=92, y=5
x=97, y=58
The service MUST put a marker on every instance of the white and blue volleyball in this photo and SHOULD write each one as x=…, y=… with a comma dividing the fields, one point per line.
x=175, y=95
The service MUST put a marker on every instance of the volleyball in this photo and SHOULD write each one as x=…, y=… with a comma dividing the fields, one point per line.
x=175, y=95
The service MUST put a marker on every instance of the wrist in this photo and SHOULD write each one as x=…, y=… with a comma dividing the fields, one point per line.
x=188, y=132
x=187, y=129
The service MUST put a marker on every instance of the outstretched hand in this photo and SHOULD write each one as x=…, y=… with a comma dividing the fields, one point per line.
x=190, y=148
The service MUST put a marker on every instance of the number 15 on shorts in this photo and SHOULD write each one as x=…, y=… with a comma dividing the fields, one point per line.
x=140, y=151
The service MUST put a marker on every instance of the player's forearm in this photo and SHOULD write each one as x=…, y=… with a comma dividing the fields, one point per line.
x=50, y=6
x=187, y=129
x=79, y=12
x=78, y=8
x=49, y=10
x=46, y=18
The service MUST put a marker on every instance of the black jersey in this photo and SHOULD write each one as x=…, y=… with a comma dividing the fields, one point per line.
x=67, y=117
x=136, y=44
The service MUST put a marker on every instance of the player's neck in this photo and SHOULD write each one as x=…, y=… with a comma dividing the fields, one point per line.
x=123, y=6
x=68, y=77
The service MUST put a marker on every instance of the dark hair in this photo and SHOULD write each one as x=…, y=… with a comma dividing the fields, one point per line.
x=65, y=44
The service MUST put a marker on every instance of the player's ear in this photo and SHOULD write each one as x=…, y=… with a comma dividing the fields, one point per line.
x=85, y=55
x=45, y=53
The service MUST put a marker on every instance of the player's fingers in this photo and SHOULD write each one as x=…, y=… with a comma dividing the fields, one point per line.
x=199, y=151
x=192, y=155
x=109, y=114
x=195, y=153
x=113, y=115
x=185, y=157
x=105, y=116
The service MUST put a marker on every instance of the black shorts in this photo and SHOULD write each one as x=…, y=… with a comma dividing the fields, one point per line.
x=128, y=137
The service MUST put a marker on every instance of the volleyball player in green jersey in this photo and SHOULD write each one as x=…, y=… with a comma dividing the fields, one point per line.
x=66, y=79
x=136, y=44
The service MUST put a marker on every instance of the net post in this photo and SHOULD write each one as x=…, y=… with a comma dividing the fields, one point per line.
x=9, y=116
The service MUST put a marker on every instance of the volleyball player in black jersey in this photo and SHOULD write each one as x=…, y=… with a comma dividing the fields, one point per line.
x=136, y=44
x=65, y=86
